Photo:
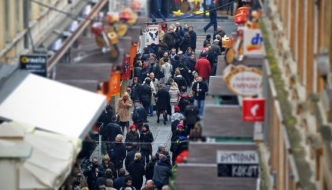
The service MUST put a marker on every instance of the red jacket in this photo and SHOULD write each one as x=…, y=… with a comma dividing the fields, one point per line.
x=183, y=155
x=203, y=67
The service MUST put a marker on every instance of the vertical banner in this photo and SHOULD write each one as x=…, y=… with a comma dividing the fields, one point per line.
x=126, y=68
x=132, y=54
x=152, y=34
x=114, y=84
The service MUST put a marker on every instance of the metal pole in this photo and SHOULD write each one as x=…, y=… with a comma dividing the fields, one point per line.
x=26, y=23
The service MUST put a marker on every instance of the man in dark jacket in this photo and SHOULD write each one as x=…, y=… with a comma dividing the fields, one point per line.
x=193, y=38
x=146, y=93
x=139, y=115
x=190, y=64
x=180, y=80
x=161, y=173
x=131, y=154
x=207, y=40
x=146, y=138
x=150, y=168
x=120, y=181
x=191, y=112
x=219, y=32
x=170, y=38
x=117, y=152
x=154, y=68
x=110, y=131
x=163, y=100
x=200, y=88
x=92, y=174
x=213, y=17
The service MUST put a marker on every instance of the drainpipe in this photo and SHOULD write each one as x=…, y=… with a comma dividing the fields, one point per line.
x=26, y=23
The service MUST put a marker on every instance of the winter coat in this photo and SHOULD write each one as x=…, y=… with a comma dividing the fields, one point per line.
x=149, y=170
x=163, y=99
x=110, y=131
x=211, y=57
x=201, y=94
x=162, y=173
x=216, y=49
x=135, y=91
x=191, y=113
x=138, y=72
x=180, y=81
x=166, y=153
x=185, y=43
x=124, y=109
x=167, y=69
x=146, y=94
x=170, y=39
x=193, y=39
x=130, y=157
x=184, y=73
x=136, y=172
x=92, y=178
x=174, y=94
x=213, y=12
x=119, y=182
x=119, y=154
x=130, y=138
x=138, y=114
x=203, y=68
x=175, y=64
x=146, y=140
x=154, y=68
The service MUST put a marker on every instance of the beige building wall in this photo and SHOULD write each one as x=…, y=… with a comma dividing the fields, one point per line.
x=42, y=22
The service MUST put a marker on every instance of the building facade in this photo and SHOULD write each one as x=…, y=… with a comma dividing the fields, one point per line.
x=42, y=17
x=297, y=148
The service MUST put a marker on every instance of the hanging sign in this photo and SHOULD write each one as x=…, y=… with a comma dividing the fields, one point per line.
x=243, y=81
x=253, y=109
x=126, y=68
x=242, y=164
x=253, y=42
x=152, y=34
x=36, y=64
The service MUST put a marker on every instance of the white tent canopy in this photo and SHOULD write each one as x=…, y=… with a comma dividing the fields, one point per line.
x=53, y=106
x=51, y=159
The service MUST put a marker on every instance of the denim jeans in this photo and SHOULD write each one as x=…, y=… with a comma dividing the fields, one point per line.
x=200, y=105
x=151, y=110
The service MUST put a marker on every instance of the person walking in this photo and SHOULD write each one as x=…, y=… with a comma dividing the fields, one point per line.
x=163, y=99
x=136, y=171
x=146, y=95
x=213, y=17
x=167, y=69
x=203, y=67
x=132, y=136
x=156, y=8
x=139, y=115
x=200, y=88
x=146, y=138
x=124, y=105
x=174, y=94
x=117, y=152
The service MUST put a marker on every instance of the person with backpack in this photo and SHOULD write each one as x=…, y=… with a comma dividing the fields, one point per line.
x=117, y=152
x=179, y=79
x=179, y=137
x=138, y=115
x=183, y=102
x=191, y=113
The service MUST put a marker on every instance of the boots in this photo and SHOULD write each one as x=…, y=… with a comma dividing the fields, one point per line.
x=165, y=118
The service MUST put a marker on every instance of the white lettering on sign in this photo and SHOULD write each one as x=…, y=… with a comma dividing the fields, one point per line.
x=244, y=171
x=239, y=157
x=36, y=60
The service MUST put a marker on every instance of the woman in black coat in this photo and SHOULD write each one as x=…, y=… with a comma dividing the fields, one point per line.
x=136, y=171
x=185, y=43
x=135, y=89
x=162, y=103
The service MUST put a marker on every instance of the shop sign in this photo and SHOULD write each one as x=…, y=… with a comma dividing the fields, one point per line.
x=243, y=164
x=36, y=64
x=253, y=42
x=253, y=109
x=243, y=81
x=152, y=35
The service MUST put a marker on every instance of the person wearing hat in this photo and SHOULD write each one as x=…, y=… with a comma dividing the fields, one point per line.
x=162, y=173
x=178, y=136
x=138, y=115
x=146, y=138
x=177, y=115
x=131, y=137
x=216, y=47
x=203, y=67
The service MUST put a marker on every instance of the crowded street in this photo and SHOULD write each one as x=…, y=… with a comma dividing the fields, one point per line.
x=165, y=94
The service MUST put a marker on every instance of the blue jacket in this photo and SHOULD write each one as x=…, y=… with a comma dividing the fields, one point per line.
x=213, y=11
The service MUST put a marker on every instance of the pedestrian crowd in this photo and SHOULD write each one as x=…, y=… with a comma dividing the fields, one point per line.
x=169, y=82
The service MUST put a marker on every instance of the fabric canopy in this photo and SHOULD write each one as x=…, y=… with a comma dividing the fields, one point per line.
x=51, y=159
x=50, y=105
